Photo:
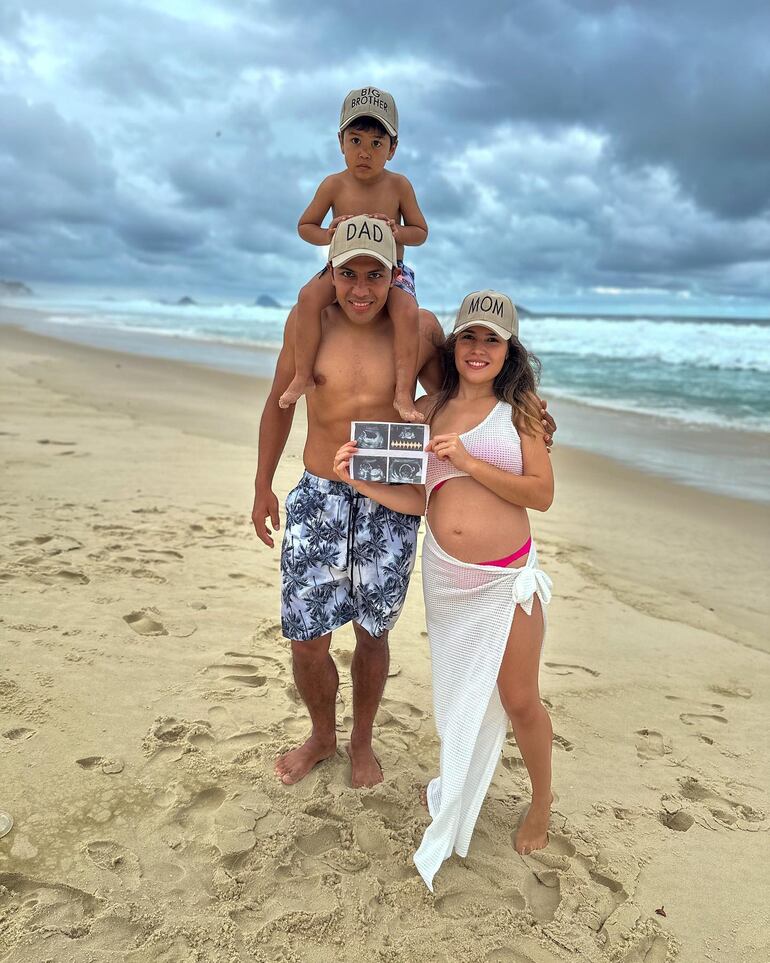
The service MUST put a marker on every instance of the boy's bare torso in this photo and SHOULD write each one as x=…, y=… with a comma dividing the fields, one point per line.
x=352, y=197
x=355, y=376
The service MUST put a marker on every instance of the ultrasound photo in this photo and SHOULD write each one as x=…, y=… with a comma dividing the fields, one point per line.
x=406, y=470
x=370, y=434
x=408, y=437
x=369, y=468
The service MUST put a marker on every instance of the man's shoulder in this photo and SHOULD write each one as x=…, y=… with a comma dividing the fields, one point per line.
x=430, y=327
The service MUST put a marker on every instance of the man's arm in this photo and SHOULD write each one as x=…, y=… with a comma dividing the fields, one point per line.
x=430, y=370
x=310, y=222
x=414, y=230
x=274, y=428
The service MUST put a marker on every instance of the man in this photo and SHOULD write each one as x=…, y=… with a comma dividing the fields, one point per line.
x=344, y=558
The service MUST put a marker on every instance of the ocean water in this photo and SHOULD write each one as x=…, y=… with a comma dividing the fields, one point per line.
x=688, y=373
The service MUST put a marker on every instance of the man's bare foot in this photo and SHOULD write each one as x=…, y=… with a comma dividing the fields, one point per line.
x=404, y=405
x=365, y=768
x=297, y=388
x=297, y=763
x=532, y=834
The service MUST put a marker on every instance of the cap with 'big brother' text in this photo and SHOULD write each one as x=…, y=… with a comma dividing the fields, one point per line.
x=494, y=310
x=370, y=102
x=363, y=236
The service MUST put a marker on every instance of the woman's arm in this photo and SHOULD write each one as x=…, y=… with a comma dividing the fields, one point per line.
x=408, y=499
x=533, y=489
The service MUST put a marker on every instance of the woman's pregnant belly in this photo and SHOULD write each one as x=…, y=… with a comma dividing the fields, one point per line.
x=473, y=524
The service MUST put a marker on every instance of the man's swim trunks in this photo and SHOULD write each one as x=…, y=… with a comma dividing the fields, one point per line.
x=405, y=280
x=344, y=558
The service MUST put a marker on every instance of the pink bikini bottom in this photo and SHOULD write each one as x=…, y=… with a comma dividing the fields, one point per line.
x=505, y=562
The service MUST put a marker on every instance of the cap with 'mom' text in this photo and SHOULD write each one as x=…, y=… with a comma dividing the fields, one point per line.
x=490, y=308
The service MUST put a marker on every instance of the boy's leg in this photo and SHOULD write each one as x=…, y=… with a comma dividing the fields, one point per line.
x=316, y=295
x=404, y=313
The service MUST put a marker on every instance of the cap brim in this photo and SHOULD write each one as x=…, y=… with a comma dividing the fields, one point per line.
x=360, y=252
x=368, y=113
x=482, y=322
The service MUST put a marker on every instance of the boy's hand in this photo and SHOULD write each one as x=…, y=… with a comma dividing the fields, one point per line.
x=390, y=222
x=335, y=223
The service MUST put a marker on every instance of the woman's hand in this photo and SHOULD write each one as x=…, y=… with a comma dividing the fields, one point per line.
x=450, y=448
x=342, y=462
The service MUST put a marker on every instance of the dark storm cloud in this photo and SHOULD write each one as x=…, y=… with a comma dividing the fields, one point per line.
x=555, y=146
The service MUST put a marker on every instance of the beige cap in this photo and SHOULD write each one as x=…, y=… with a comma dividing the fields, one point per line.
x=370, y=102
x=494, y=310
x=363, y=236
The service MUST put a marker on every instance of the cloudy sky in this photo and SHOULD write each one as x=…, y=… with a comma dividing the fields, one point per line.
x=578, y=154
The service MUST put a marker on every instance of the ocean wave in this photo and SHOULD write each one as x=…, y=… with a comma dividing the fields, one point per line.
x=697, y=344
x=690, y=416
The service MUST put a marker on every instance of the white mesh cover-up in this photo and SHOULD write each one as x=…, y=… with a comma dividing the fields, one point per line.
x=469, y=611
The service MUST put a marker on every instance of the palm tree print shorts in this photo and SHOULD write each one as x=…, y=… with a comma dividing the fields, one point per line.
x=344, y=558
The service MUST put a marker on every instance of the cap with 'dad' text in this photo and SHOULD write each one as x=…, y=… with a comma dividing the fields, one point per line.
x=491, y=309
x=370, y=102
x=363, y=236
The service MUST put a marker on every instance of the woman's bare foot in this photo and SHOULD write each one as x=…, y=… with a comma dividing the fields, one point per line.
x=532, y=834
x=424, y=797
x=297, y=763
x=297, y=388
x=365, y=768
x=404, y=405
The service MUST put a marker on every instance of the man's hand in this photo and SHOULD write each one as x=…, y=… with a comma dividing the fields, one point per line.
x=549, y=425
x=265, y=505
x=342, y=462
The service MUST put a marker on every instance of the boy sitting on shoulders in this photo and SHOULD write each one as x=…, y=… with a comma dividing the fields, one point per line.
x=368, y=136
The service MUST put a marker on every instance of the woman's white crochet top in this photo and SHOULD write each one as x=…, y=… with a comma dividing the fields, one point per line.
x=494, y=440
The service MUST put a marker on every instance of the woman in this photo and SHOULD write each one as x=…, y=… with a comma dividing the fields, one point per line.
x=484, y=592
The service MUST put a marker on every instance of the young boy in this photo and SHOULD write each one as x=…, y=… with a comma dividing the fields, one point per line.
x=368, y=136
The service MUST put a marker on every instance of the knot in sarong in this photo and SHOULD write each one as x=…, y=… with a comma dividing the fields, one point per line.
x=529, y=582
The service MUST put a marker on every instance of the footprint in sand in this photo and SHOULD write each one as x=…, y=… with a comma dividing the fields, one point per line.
x=650, y=744
x=726, y=811
x=50, y=906
x=693, y=718
x=732, y=690
x=563, y=743
x=560, y=668
x=678, y=820
x=143, y=623
x=109, y=855
x=19, y=733
x=241, y=673
x=107, y=765
x=52, y=441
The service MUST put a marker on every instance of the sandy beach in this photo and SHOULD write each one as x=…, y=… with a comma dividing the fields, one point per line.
x=145, y=690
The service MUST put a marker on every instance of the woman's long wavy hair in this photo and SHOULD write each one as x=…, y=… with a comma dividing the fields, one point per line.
x=516, y=383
